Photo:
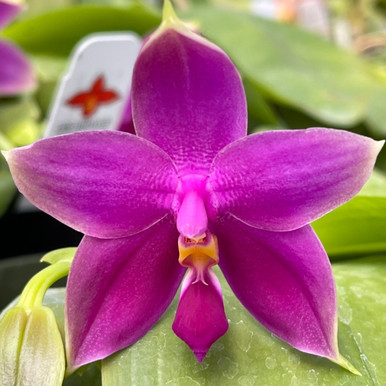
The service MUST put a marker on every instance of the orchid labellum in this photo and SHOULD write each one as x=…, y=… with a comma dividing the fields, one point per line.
x=191, y=190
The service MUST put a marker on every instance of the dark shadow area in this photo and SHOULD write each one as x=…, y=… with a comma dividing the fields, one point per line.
x=16, y=272
x=29, y=231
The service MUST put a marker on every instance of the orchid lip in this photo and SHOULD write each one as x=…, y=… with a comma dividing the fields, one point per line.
x=198, y=255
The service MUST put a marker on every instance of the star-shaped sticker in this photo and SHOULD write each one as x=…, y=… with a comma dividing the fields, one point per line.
x=90, y=100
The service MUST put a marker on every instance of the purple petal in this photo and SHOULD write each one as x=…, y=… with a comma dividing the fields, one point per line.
x=282, y=180
x=117, y=289
x=285, y=281
x=187, y=98
x=200, y=319
x=105, y=184
x=16, y=73
x=8, y=11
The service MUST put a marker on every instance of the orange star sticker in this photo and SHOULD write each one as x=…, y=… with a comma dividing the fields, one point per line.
x=90, y=100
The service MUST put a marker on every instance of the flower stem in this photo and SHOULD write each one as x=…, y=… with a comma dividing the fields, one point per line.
x=36, y=288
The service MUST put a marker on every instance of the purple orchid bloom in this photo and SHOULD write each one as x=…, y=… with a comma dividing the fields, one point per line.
x=189, y=191
x=16, y=73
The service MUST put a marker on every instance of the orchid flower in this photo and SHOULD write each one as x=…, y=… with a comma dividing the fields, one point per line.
x=16, y=73
x=189, y=191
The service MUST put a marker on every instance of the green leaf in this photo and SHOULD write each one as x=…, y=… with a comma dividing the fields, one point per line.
x=56, y=33
x=249, y=355
x=291, y=65
x=357, y=227
x=258, y=108
x=361, y=288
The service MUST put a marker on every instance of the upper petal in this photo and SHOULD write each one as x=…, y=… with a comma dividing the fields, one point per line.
x=16, y=73
x=282, y=180
x=285, y=280
x=117, y=289
x=9, y=9
x=187, y=97
x=102, y=183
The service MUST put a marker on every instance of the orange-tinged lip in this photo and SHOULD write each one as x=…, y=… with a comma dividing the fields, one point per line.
x=200, y=254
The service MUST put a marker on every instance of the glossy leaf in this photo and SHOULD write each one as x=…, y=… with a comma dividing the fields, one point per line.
x=57, y=32
x=357, y=227
x=291, y=65
x=248, y=355
x=259, y=109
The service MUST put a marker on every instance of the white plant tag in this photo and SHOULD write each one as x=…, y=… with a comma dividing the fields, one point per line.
x=93, y=93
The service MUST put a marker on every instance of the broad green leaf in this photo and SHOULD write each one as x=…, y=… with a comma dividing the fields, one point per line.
x=291, y=65
x=357, y=227
x=258, y=108
x=249, y=355
x=361, y=286
x=56, y=33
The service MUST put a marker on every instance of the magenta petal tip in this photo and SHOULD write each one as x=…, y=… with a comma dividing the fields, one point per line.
x=200, y=355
